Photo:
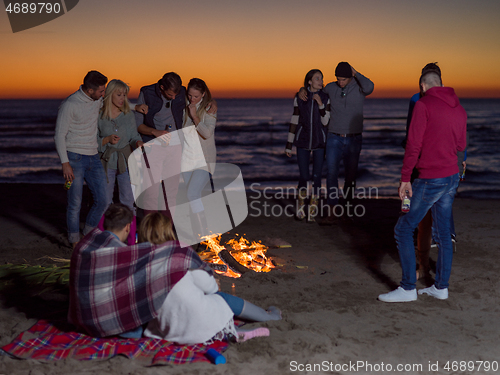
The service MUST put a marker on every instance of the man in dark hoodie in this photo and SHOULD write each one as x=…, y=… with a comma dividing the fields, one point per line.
x=437, y=131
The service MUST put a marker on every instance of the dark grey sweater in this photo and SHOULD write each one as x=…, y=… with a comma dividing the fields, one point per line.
x=347, y=112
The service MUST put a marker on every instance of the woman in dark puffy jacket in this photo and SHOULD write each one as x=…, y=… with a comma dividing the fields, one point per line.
x=308, y=133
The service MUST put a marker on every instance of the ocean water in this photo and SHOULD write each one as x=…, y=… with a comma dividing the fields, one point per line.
x=252, y=133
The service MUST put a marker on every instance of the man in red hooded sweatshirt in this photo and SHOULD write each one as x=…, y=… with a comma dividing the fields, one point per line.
x=437, y=131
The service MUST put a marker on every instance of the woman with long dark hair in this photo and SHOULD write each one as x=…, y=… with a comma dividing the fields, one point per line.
x=308, y=133
x=198, y=153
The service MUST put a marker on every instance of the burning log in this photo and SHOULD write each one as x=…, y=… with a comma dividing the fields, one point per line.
x=244, y=250
x=256, y=263
x=218, y=267
x=238, y=257
x=232, y=263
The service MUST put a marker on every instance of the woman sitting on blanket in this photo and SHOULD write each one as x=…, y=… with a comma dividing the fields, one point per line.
x=194, y=310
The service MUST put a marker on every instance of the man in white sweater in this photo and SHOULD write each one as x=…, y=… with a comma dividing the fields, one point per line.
x=76, y=144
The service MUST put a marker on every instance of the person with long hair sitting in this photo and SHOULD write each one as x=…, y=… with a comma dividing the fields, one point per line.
x=194, y=310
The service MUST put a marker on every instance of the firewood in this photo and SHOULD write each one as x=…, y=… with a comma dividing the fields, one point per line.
x=232, y=263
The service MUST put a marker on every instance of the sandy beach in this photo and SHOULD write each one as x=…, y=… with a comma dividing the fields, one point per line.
x=327, y=289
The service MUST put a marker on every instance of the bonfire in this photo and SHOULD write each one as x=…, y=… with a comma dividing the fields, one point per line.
x=236, y=256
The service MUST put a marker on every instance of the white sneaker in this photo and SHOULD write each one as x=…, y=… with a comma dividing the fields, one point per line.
x=399, y=295
x=435, y=292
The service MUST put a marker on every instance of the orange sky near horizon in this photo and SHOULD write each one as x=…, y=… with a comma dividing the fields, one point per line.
x=261, y=48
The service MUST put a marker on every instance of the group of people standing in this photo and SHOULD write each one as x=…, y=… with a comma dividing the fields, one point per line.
x=328, y=122
x=96, y=131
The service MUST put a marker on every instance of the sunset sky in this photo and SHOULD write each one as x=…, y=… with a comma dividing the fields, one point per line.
x=257, y=48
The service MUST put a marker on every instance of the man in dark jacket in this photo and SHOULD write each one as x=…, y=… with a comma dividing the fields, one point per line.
x=159, y=107
x=158, y=112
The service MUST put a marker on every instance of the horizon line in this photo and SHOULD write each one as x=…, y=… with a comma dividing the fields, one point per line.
x=256, y=97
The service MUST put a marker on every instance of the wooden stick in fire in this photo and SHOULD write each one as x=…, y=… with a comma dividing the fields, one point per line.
x=232, y=263
x=253, y=248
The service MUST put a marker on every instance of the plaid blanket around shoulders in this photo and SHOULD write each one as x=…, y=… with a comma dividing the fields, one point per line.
x=116, y=288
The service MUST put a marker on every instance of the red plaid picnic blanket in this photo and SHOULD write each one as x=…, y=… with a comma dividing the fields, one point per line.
x=44, y=342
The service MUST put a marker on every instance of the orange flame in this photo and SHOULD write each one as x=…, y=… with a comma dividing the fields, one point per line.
x=251, y=255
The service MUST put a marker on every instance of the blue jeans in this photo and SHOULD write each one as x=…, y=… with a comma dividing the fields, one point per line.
x=90, y=169
x=124, y=188
x=346, y=149
x=303, y=158
x=436, y=194
x=452, y=228
x=196, y=181
x=235, y=303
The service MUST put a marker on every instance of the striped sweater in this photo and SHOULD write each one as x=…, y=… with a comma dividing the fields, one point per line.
x=307, y=125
